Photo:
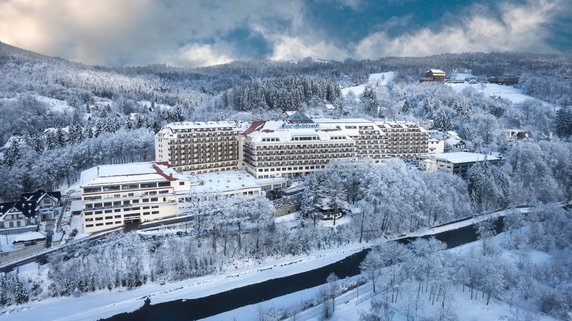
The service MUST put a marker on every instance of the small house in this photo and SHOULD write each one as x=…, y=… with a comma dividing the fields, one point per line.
x=20, y=214
x=517, y=134
x=331, y=213
x=455, y=144
x=433, y=75
x=46, y=203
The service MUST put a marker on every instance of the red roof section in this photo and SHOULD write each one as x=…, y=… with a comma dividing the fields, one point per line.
x=159, y=171
x=255, y=125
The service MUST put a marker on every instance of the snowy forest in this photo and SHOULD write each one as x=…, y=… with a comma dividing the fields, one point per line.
x=53, y=107
x=60, y=118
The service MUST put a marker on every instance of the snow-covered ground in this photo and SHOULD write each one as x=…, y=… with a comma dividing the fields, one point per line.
x=103, y=304
x=461, y=304
x=55, y=105
x=461, y=76
x=512, y=94
x=6, y=242
x=378, y=79
x=148, y=104
x=351, y=304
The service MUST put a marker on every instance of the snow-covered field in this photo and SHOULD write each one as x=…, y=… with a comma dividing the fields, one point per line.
x=55, y=105
x=461, y=76
x=148, y=104
x=378, y=79
x=512, y=94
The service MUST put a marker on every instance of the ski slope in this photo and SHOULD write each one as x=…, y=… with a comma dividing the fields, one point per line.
x=378, y=79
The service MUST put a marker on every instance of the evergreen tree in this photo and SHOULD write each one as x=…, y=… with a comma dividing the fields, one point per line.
x=61, y=138
x=51, y=141
x=370, y=102
x=12, y=154
x=564, y=122
x=3, y=290
x=21, y=294
x=406, y=107
x=76, y=133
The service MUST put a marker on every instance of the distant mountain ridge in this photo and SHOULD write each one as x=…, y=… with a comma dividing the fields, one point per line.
x=16, y=54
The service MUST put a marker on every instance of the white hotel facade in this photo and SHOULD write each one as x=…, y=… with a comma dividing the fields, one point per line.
x=116, y=195
x=276, y=148
x=206, y=158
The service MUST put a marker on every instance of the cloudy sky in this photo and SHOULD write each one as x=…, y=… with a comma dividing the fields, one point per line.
x=207, y=32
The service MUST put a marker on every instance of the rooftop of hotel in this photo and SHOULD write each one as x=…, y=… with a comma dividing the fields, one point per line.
x=203, y=124
x=285, y=131
x=463, y=157
x=226, y=181
x=342, y=120
x=127, y=173
x=219, y=182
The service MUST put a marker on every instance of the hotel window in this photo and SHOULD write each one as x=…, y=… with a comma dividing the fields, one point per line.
x=92, y=189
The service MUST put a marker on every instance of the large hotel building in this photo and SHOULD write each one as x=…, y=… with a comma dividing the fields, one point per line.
x=295, y=146
x=197, y=159
x=118, y=195
x=199, y=147
x=277, y=148
x=114, y=195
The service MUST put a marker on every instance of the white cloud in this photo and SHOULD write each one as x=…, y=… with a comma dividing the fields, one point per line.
x=516, y=28
x=88, y=31
x=295, y=48
x=520, y=27
x=134, y=31
x=200, y=56
x=354, y=4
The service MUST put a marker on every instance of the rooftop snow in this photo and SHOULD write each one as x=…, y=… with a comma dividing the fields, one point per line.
x=463, y=157
x=203, y=124
x=285, y=132
x=127, y=173
x=341, y=120
x=220, y=182
x=29, y=236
